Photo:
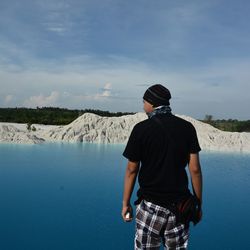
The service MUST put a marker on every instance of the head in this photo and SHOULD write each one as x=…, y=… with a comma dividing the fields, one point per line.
x=155, y=96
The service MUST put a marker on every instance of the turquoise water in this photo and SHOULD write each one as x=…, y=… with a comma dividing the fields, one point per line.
x=68, y=197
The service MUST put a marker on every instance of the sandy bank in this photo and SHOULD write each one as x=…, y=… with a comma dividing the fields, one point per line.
x=94, y=128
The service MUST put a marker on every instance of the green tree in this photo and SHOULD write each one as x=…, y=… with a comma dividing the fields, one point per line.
x=28, y=126
x=208, y=118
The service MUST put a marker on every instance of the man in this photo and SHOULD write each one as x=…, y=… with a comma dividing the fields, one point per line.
x=158, y=150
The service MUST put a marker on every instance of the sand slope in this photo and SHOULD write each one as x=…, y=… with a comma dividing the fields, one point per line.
x=94, y=128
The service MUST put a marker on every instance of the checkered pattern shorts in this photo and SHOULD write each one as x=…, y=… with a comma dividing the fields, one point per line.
x=156, y=225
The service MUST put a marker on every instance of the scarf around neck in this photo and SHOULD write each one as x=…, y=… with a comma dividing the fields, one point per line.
x=165, y=109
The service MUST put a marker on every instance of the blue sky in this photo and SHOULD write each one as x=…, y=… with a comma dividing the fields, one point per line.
x=103, y=54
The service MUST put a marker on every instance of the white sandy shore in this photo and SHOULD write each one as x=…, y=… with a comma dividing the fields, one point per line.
x=94, y=128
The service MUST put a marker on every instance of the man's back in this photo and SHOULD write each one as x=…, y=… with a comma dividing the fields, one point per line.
x=164, y=144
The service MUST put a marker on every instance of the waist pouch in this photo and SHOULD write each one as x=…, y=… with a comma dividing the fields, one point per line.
x=188, y=210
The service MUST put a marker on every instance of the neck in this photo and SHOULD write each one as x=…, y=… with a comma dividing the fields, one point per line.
x=165, y=109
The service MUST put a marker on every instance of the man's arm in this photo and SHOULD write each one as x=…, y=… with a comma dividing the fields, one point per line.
x=196, y=175
x=129, y=182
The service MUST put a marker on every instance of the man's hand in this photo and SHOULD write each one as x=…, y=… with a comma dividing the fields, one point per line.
x=129, y=182
x=127, y=213
x=196, y=175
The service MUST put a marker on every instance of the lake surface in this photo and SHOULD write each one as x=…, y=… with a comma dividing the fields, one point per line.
x=68, y=197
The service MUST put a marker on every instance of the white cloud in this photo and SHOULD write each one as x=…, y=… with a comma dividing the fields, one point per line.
x=108, y=86
x=42, y=101
x=8, y=99
x=106, y=92
x=72, y=99
x=57, y=29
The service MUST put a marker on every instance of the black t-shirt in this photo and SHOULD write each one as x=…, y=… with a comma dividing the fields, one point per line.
x=163, y=151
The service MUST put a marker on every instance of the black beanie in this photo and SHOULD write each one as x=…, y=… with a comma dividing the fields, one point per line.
x=157, y=95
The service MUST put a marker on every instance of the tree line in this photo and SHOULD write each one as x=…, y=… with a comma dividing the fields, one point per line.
x=63, y=116
x=232, y=125
x=49, y=115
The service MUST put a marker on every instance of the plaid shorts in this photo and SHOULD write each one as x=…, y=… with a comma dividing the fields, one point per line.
x=156, y=224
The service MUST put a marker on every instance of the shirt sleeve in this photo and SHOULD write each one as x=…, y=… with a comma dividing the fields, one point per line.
x=133, y=148
x=194, y=146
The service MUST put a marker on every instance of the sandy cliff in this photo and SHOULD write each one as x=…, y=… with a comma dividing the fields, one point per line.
x=93, y=128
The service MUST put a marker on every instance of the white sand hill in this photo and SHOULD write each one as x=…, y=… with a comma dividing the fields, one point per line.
x=94, y=128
